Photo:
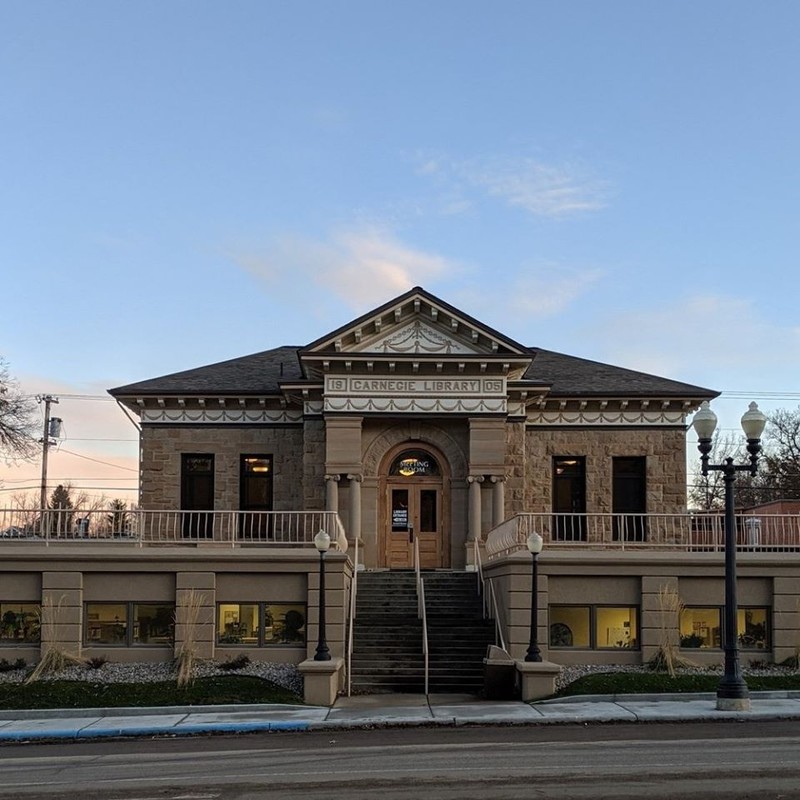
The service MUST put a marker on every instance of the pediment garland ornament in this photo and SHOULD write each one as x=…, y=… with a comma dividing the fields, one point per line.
x=418, y=338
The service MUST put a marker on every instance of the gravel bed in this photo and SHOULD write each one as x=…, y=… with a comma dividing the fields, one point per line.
x=286, y=675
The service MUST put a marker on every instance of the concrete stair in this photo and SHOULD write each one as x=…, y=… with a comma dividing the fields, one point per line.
x=387, y=636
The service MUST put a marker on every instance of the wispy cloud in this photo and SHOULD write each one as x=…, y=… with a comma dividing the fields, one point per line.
x=540, y=188
x=545, y=292
x=524, y=305
x=708, y=339
x=360, y=266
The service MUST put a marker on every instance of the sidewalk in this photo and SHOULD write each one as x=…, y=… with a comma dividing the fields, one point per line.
x=387, y=710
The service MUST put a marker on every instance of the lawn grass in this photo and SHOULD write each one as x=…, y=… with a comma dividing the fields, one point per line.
x=657, y=682
x=218, y=690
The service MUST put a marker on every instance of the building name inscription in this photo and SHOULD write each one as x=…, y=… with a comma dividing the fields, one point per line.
x=415, y=395
x=448, y=387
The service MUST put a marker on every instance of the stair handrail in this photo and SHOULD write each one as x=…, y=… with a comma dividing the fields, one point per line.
x=353, y=593
x=417, y=575
x=476, y=558
x=424, y=633
x=421, y=611
x=497, y=626
x=490, y=607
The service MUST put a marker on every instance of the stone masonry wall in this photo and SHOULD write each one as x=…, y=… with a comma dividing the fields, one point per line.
x=161, y=462
x=314, y=464
x=665, y=450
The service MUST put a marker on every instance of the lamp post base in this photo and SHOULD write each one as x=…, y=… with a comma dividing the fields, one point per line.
x=732, y=693
x=733, y=704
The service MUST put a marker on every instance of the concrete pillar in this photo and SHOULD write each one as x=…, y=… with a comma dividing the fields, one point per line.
x=62, y=612
x=475, y=482
x=498, y=499
x=355, y=506
x=332, y=493
x=195, y=608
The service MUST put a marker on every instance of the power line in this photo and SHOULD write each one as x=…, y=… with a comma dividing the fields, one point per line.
x=82, y=439
x=94, y=488
x=99, y=397
x=96, y=460
x=68, y=479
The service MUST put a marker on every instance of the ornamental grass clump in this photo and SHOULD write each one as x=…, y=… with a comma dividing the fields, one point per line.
x=56, y=658
x=187, y=658
x=667, y=658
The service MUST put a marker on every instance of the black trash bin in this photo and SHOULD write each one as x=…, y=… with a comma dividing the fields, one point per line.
x=499, y=675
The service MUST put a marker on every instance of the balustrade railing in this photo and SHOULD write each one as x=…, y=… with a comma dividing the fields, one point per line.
x=689, y=532
x=264, y=528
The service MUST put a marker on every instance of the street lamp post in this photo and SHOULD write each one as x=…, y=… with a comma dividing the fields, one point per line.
x=322, y=542
x=535, y=544
x=732, y=693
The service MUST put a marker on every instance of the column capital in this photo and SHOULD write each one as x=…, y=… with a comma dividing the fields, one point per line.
x=333, y=477
x=475, y=479
x=355, y=477
x=498, y=478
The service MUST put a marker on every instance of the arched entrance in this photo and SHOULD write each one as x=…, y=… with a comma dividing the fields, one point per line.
x=415, y=501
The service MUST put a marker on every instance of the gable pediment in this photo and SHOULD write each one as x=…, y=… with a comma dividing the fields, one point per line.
x=417, y=323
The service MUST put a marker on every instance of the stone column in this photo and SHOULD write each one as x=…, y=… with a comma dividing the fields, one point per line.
x=475, y=482
x=332, y=493
x=498, y=499
x=355, y=506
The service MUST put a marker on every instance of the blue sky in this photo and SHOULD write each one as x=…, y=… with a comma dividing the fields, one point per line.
x=186, y=182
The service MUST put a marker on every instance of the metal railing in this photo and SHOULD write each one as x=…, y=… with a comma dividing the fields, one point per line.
x=489, y=600
x=691, y=532
x=352, y=620
x=421, y=610
x=264, y=528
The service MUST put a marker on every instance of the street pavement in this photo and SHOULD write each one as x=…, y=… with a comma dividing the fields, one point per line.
x=383, y=710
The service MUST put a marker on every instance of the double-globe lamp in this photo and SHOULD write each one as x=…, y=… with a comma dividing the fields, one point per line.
x=732, y=693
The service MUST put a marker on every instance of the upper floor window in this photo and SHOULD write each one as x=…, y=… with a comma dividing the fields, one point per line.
x=255, y=483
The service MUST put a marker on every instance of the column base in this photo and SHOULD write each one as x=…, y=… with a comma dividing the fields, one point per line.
x=321, y=680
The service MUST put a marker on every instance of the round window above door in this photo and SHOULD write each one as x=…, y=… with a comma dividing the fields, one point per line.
x=415, y=464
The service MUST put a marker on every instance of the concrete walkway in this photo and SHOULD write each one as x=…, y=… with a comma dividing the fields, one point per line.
x=385, y=710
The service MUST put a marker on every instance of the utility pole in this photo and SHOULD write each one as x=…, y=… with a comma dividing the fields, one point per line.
x=47, y=399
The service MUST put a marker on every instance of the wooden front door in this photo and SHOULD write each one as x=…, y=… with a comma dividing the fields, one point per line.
x=414, y=511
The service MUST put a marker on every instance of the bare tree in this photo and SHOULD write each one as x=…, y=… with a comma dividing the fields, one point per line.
x=778, y=475
x=707, y=493
x=18, y=419
x=781, y=463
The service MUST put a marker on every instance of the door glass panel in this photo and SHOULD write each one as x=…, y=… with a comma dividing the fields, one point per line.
x=629, y=498
x=400, y=510
x=197, y=495
x=569, y=498
x=427, y=510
